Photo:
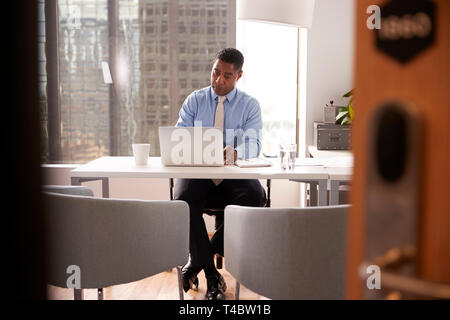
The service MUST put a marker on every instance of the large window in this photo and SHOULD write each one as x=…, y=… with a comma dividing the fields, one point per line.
x=158, y=51
x=84, y=97
x=270, y=75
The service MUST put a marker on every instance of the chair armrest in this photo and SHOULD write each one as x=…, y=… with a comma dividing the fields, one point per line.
x=70, y=190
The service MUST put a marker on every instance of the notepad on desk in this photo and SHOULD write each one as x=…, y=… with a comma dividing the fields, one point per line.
x=253, y=163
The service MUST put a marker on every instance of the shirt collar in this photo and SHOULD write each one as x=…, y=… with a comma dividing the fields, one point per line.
x=230, y=96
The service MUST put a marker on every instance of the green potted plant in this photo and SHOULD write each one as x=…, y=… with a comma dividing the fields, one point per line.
x=345, y=115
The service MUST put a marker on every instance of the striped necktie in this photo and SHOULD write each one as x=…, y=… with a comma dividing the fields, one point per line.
x=218, y=119
x=218, y=122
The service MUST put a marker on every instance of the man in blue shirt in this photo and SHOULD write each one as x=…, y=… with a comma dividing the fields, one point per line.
x=222, y=105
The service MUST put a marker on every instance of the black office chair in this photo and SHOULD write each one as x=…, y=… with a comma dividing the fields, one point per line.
x=218, y=212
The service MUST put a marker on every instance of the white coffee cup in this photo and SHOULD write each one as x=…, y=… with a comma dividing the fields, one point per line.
x=141, y=152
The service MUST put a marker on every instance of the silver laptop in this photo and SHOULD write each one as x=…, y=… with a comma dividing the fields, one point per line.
x=191, y=146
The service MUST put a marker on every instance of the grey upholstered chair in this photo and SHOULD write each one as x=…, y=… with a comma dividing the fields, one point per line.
x=112, y=241
x=71, y=190
x=297, y=253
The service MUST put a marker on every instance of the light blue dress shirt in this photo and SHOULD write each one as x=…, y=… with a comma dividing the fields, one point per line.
x=242, y=118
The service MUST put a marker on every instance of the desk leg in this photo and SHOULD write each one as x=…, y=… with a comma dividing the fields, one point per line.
x=105, y=187
x=76, y=181
x=334, y=192
x=237, y=290
x=317, y=197
x=312, y=194
x=323, y=193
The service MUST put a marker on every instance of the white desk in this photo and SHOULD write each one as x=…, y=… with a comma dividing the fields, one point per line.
x=338, y=168
x=123, y=167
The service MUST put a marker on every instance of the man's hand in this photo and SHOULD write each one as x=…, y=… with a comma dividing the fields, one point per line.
x=229, y=155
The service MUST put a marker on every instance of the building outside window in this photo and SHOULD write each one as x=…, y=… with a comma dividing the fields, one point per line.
x=165, y=51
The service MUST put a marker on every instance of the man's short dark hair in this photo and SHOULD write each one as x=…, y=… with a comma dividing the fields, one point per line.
x=231, y=55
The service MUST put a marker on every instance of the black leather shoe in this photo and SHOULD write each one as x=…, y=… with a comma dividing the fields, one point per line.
x=216, y=287
x=190, y=280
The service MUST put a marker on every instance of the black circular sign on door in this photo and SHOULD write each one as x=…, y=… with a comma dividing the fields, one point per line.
x=407, y=28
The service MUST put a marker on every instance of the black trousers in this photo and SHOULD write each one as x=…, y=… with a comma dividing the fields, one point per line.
x=203, y=193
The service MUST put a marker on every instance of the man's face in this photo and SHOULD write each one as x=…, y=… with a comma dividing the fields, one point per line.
x=224, y=77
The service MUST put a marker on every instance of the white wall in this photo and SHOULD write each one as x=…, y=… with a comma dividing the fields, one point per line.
x=330, y=52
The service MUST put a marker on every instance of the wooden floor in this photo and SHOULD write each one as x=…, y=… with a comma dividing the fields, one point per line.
x=163, y=286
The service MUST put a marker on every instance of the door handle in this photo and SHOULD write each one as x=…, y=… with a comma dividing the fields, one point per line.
x=395, y=259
